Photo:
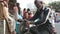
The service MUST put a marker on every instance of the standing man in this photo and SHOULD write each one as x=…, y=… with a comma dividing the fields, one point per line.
x=52, y=18
x=42, y=15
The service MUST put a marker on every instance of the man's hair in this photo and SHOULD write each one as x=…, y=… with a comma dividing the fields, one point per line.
x=28, y=9
x=24, y=9
x=17, y=4
x=37, y=1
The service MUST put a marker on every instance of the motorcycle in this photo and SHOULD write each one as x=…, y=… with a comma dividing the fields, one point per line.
x=24, y=29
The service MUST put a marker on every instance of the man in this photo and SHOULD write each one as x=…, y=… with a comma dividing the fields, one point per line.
x=52, y=18
x=19, y=9
x=42, y=15
x=52, y=15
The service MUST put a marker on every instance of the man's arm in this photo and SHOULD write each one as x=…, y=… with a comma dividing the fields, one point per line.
x=44, y=18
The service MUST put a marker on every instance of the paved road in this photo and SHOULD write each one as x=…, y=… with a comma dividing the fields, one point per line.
x=57, y=28
x=1, y=28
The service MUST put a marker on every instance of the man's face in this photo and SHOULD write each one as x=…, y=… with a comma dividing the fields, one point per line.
x=51, y=7
x=39, y=4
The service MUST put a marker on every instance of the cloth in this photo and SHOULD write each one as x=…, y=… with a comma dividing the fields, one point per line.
x=15, y=12
x=43, y=29
x=34, y=30
x=51, y=18
x=18, y=23
x=43, y=22
x=11, y=21
x=42, y=15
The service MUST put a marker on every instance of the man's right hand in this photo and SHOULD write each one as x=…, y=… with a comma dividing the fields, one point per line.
x=27, y=23
x=19, y=20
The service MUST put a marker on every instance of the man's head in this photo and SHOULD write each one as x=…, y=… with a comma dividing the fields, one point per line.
x=24, y=9
x=51, y=7
x=18, y=4
x=38, y=4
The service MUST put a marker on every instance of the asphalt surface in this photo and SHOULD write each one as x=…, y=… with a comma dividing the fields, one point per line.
x=1, y=27
x=57, y=28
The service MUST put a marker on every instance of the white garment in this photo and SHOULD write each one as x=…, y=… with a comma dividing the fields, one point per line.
x=15, y=9
x=11, y=22
x=51, y=19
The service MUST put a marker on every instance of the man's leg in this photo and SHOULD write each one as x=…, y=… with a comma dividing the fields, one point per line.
x=34, y=30
x=44, y=32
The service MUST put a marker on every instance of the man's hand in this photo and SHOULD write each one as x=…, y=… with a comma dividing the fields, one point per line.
x=27, y=23
x=20, y=20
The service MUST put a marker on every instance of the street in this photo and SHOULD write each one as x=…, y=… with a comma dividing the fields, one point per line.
x=1, y=28
x=57, y=28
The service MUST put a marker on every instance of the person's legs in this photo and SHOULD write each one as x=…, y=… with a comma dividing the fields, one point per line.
x=44, y=32
x=34, y=30
x=49, y=29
